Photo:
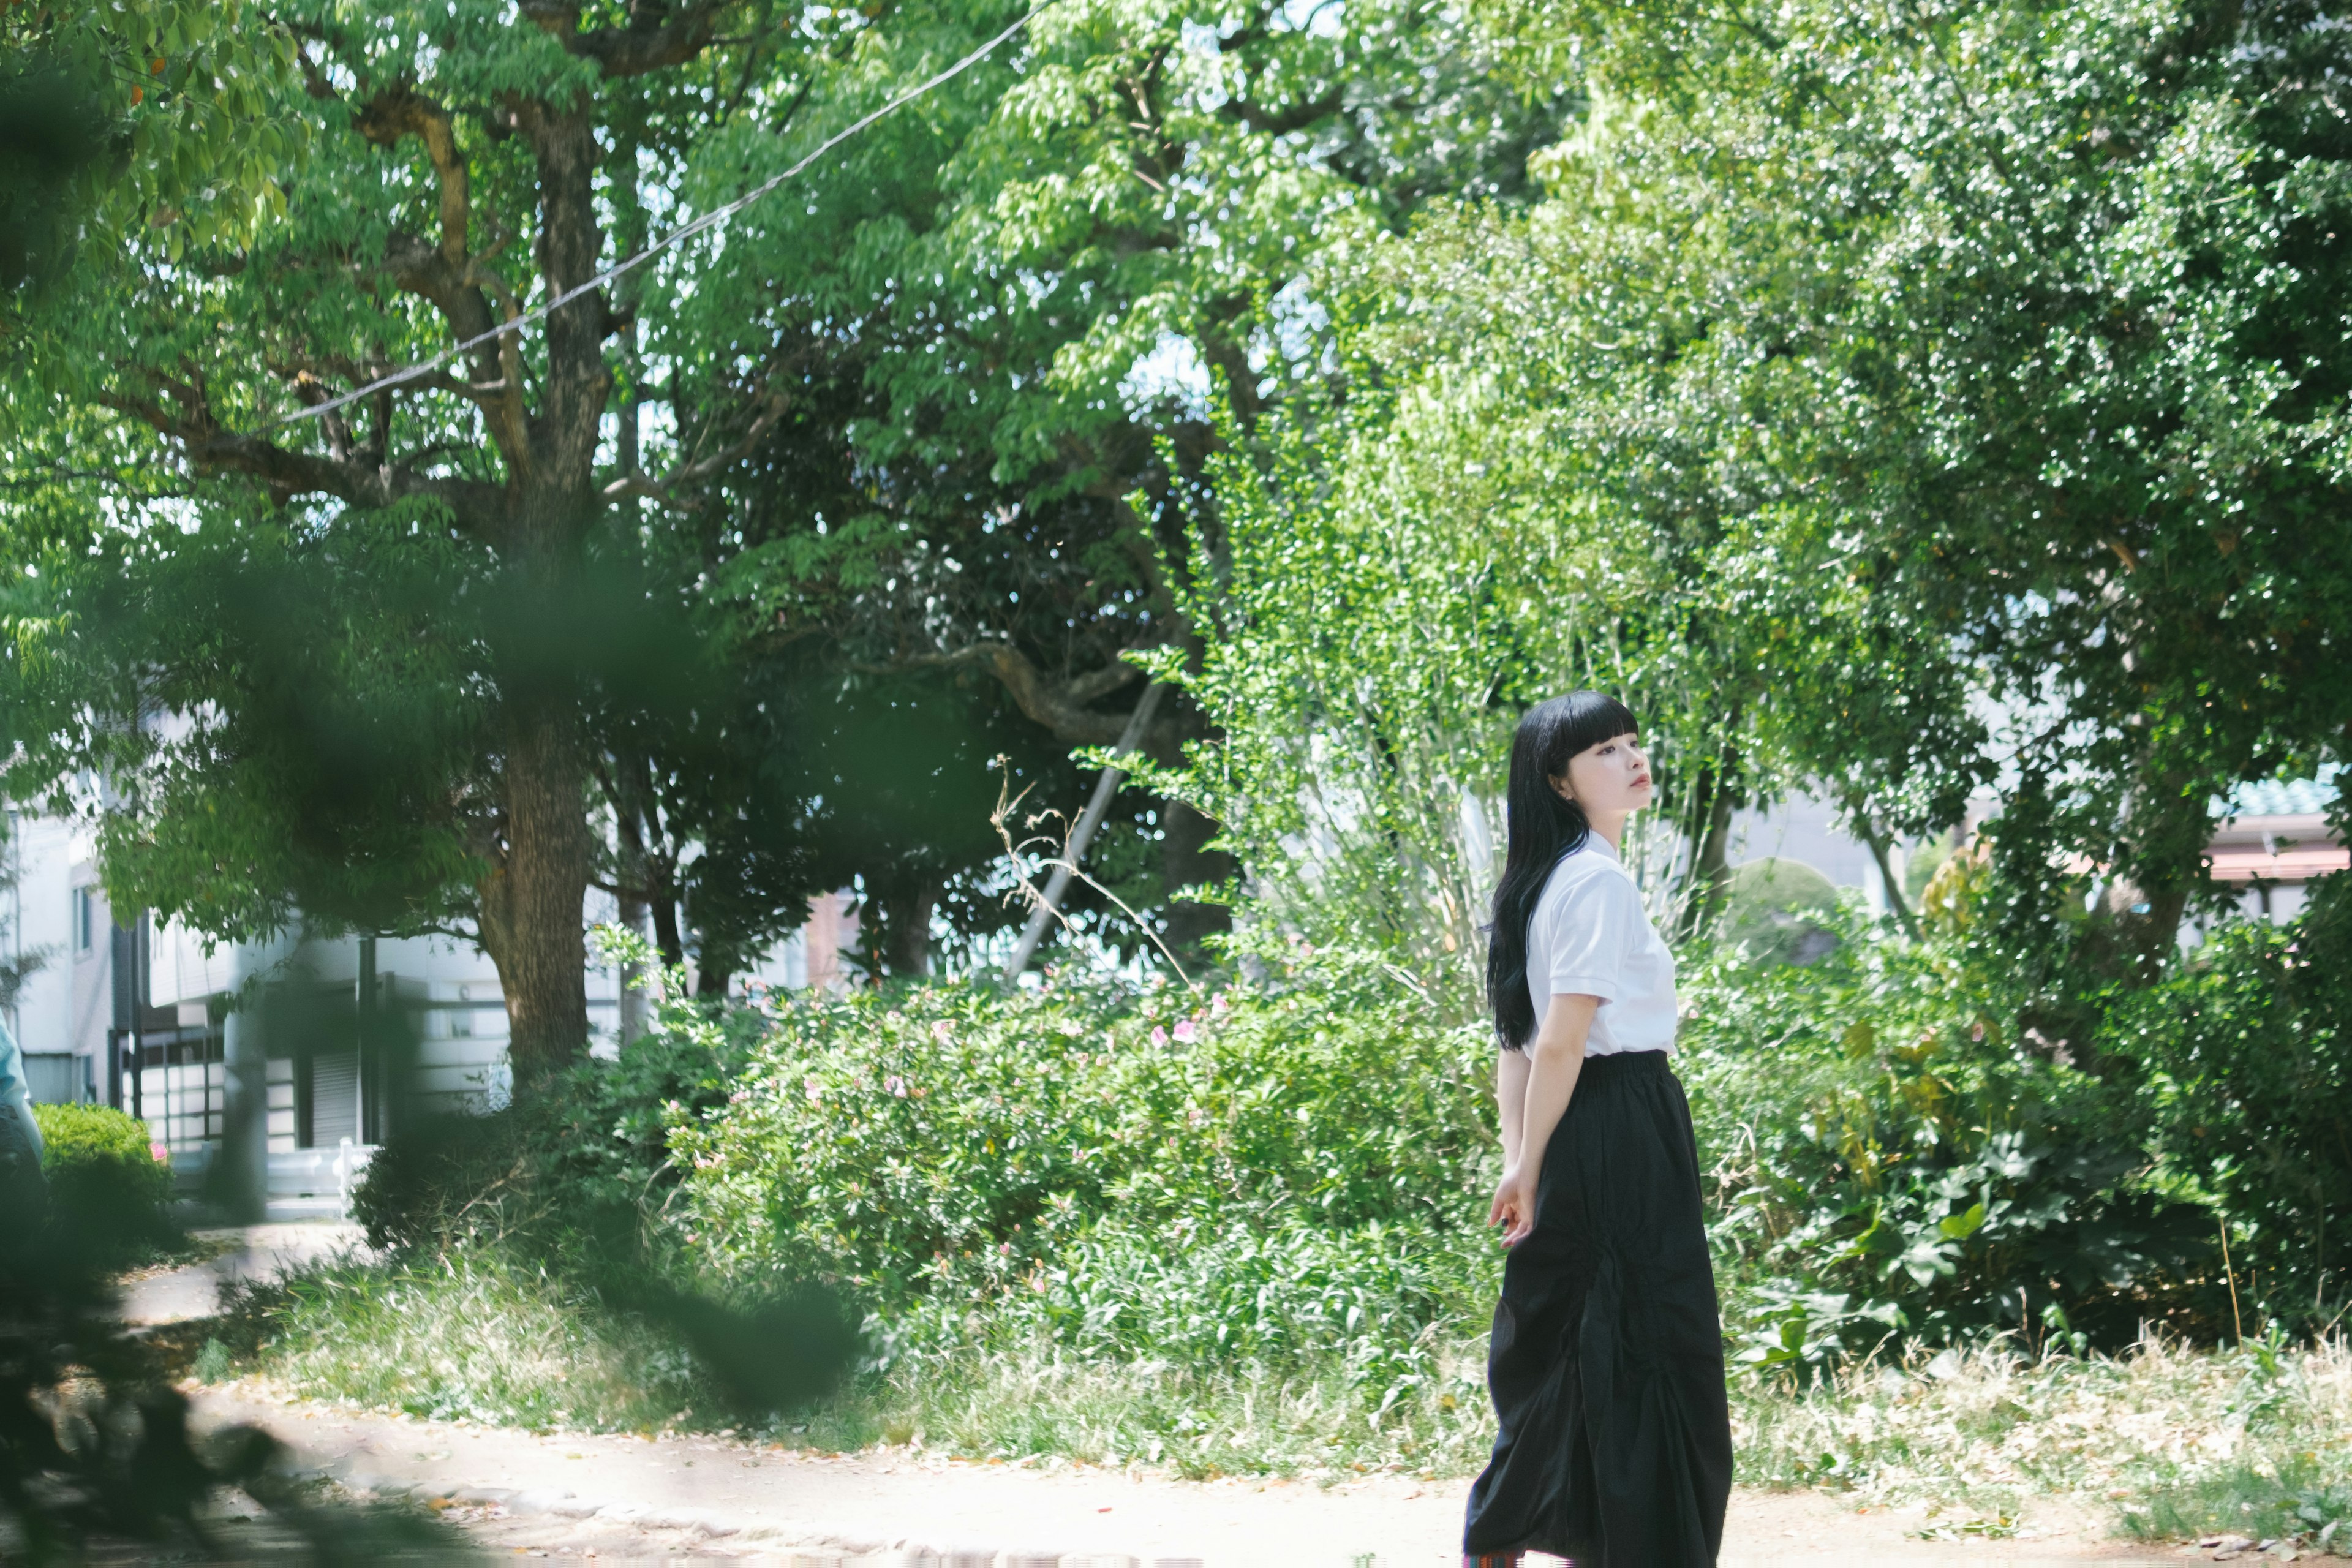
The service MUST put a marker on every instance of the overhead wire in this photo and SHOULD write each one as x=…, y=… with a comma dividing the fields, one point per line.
x=686, y=231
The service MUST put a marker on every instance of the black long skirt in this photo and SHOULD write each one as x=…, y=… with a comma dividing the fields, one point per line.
x=1607, y=1359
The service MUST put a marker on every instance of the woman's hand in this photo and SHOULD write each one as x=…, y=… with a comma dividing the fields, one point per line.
x=1515, y=1205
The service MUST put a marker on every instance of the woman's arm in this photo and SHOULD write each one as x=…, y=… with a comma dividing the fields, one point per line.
x=1555, y=1057
x=1510, y=1100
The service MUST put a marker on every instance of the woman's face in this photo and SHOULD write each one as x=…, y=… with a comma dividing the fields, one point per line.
x=1613, y=776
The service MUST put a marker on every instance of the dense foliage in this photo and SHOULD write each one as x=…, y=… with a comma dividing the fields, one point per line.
x=1900, y=407
x=1291, y=1174
x=1937, y=410
x=649, y=593
x=1235, y=1176
x=2244, y=1067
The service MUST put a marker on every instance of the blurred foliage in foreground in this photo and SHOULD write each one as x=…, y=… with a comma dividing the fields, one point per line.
x=97, y=1454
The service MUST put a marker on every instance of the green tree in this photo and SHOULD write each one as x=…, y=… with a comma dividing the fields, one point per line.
x=155, y=112
x=894, y=410
x=1967, y=381
x=375, y=703
x=1034, y=329
x=2037, y=320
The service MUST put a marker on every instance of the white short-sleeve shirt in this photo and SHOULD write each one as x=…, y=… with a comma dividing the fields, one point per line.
x=1590, y=936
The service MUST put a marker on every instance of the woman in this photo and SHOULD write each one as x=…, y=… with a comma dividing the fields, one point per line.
x=1606, y=1364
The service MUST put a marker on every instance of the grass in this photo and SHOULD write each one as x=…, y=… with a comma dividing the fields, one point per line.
x=469, y=1336
x=1312, y=1421
x=2179, y=1442
x=476, y=1337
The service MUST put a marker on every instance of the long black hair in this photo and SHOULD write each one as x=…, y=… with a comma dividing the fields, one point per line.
x=1543, y=826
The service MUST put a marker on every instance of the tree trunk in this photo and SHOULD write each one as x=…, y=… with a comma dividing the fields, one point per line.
x=666, y=935
x=905, y=906
x=1881, y=847
x=2172, y=826
x=637, y=1003
x=1710, y=868
x=636, y=881
x=533, y=910
x=533, y=903
x=1185, y=860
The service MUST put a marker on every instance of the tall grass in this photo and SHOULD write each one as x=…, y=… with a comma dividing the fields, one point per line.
x=468, y=1334
x=473, y=1335
x=1315, y=1419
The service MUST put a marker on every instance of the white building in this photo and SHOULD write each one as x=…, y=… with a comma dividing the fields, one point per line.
x=139, y=1015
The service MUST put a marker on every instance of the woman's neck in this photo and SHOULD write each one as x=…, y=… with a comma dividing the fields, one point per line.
x=1610, y=824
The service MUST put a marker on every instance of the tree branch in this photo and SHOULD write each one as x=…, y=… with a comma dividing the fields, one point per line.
x=647, y=44
x=638, y=485
x=287, y=474
x=771, y=408
x=664, y=491
x=403, y=111
x=446, y=273
x=1059, y=705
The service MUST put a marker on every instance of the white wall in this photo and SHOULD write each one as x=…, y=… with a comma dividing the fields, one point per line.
x=45, y=851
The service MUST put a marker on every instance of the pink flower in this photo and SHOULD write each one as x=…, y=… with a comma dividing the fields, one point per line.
x=1185, y=1031
x=1158, y=1036
x=895, y=1085
x=942, y=1030
x=815, y=1087
x=1219, y=1005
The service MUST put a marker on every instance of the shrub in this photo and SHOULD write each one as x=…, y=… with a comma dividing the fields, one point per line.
x=1892, y=1156
x=1287, y=1179
x=1773, y=910
x=2242, y=1062
x=1280, y=1175
x=550, y=1210
x=587, y=1156
x=106, y=1188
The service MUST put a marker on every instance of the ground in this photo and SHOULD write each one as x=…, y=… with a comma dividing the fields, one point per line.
x=674, y=1496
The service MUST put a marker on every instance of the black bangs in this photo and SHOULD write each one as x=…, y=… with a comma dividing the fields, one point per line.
x=1586, y=725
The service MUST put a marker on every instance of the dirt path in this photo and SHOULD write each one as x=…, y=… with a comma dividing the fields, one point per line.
x=711, y=1498
x=158, y=1296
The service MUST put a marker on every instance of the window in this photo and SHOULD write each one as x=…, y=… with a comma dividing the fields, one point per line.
x=85, y=919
